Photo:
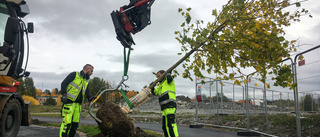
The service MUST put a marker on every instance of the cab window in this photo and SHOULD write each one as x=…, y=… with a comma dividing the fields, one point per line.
x=3, y=21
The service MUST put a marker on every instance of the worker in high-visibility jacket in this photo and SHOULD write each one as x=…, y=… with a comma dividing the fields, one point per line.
x=167, y=99
x=73, y=89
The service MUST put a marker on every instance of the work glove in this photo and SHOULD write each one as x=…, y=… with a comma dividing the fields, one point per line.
x=152, y=89
x=64, y=99
x=92, y=99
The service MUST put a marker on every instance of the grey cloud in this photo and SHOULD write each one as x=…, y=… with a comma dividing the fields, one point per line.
x=89, y=21
x=72, y=19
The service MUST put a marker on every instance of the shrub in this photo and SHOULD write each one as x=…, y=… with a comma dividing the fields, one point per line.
x=30, y=99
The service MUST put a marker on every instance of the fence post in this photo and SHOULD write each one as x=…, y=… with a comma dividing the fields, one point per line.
x=254, y=98
x=280, y=102
x=265, y=104
x=210, y=97
x=288, y=101
x=243, y=89
x=217, y=102
x=221, y=102
x=247, y=103
x=233, y=98
x=196, y=103
x=272, y=99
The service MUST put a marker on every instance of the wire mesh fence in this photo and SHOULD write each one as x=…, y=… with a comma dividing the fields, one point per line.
x=251, y=105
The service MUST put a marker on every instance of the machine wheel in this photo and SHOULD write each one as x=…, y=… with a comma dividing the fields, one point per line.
x=11, y=119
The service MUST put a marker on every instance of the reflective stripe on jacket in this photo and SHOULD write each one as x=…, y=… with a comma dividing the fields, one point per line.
x=78, y=84
x=167, y=94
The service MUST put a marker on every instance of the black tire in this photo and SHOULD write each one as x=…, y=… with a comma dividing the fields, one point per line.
x=11, y=119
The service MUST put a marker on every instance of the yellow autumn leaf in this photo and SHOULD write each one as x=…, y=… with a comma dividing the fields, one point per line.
x=268, y=85
x=258, y=68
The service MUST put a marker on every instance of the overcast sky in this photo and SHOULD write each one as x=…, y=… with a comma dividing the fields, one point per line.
x=69, y=34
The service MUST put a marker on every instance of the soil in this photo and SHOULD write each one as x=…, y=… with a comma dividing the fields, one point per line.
x=116, y=123
x=37, y=122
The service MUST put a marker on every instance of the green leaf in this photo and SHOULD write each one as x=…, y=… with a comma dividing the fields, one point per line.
x=183, y=24
x=281, y=39
x=298, y=4
x=188, y=19
x=214, y=12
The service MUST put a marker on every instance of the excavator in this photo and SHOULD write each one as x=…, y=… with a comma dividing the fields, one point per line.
x=14, y=48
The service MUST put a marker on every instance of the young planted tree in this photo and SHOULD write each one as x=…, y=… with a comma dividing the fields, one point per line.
x=245, y=33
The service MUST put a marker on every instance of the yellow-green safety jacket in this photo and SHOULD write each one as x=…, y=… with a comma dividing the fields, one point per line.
x=167, y=94
x=79, y=84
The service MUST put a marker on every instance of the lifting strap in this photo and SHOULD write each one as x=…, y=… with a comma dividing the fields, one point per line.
x=126, y=98
x=126, y=61
x=125, y=74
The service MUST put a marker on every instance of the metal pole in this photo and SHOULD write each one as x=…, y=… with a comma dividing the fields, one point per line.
x=243, y=97
x=247, y=105
x=254, y=96
x=196, y=100
x=254, y=100
x=217, y=102
x=211, y=104
x=280, y=102
x=288, y=101
x=272, y=99
x=304, y=98
x=296, y=101
x=221, y=102
x=265, y=104
x=233, y=98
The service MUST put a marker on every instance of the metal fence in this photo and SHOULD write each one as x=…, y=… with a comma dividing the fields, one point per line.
x=252, y=99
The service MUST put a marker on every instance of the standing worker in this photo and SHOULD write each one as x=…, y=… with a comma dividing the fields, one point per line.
x=73, y=89
x=167, y=99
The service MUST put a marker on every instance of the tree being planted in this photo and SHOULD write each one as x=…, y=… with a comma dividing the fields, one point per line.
x=244, y=34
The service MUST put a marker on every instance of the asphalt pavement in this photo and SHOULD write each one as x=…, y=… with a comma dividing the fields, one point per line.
x=184, y=131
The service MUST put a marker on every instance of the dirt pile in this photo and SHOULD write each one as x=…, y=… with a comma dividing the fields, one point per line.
x=116, y=123
x=37, y=122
